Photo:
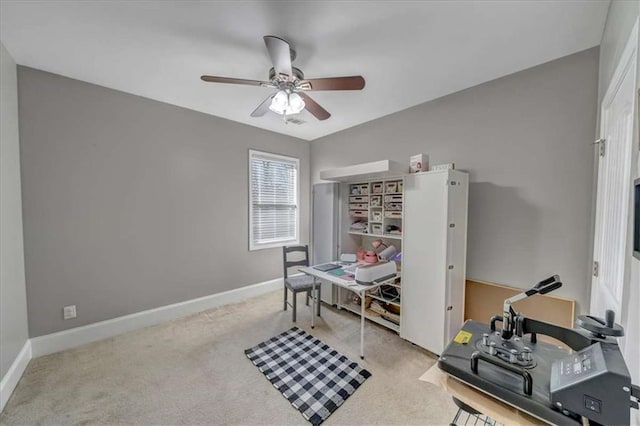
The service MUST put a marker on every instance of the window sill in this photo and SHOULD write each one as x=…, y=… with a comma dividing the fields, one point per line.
x=255, y=247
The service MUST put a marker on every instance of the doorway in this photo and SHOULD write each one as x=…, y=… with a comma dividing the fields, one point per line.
x=611, y=287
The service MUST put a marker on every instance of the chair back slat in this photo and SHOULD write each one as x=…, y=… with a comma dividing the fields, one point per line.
x=297, y=263
x=291, y=263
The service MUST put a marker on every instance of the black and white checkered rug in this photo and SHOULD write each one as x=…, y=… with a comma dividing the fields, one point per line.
x=313, y=376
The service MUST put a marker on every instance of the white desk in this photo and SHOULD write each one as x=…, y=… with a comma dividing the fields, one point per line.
x=347, y=283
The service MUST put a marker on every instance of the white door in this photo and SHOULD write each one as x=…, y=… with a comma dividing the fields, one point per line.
x=614, y=185
x=424, y=260
x=324, y=230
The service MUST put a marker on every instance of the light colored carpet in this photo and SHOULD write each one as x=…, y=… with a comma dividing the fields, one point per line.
x=194, y=371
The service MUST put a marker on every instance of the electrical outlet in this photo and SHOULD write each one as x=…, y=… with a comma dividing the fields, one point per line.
x=69, y=312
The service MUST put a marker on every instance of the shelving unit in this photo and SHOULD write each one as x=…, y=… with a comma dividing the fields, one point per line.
x=380, y=203
x=371, y=316
x=383, y=299
x=382, y=199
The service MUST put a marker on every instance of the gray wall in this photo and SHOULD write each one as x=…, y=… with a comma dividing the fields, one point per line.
x=525, y=140
x=13, y=302
x=131, y=204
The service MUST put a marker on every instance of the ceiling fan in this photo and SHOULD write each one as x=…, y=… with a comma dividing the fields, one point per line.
x=291, y=84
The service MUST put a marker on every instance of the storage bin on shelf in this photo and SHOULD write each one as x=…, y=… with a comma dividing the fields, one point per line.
x=359, y=206
x=359, y=189
x=360, y=225
x=393, y=206
x=359, y=199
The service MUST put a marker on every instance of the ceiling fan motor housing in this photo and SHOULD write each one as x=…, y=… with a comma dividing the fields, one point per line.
x=297, y=73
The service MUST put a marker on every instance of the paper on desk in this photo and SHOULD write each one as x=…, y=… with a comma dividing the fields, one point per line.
x=337, y=272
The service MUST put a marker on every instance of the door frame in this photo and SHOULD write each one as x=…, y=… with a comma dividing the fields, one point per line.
x=628, y=59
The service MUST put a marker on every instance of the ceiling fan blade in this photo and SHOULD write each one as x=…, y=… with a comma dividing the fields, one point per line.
x=263, y=107
x=314, y=108
x=214, y=79
x=355, y=82
x=280, y=54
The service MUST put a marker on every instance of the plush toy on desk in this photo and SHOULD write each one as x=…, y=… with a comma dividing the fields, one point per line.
x=367, y=256
x=370, y=256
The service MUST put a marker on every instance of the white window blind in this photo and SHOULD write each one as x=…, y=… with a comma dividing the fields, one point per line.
x=273, y=200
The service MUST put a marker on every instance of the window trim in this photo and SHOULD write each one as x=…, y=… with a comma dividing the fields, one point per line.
x=253, y=246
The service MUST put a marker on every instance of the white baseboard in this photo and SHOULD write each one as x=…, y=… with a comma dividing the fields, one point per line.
x=11, y=379
x=66, y=339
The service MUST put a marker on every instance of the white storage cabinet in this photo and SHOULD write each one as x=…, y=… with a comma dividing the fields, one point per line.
x=431, y=210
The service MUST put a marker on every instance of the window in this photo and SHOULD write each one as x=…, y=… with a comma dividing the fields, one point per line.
x=273, y=200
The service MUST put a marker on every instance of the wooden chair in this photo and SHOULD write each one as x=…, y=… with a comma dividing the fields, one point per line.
x=298, y=284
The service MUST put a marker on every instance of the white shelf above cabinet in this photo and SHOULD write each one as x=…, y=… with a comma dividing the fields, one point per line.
x=374, y=170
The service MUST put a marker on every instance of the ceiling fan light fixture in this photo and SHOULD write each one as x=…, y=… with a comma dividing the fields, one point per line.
x=286, y=103
x=280, y=102
x=296, y=104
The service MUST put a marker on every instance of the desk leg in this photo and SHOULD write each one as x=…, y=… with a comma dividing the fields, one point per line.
x=362, y=300
x=313, y=302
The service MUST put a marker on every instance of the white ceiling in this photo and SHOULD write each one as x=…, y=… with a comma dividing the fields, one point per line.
x=408, y=52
